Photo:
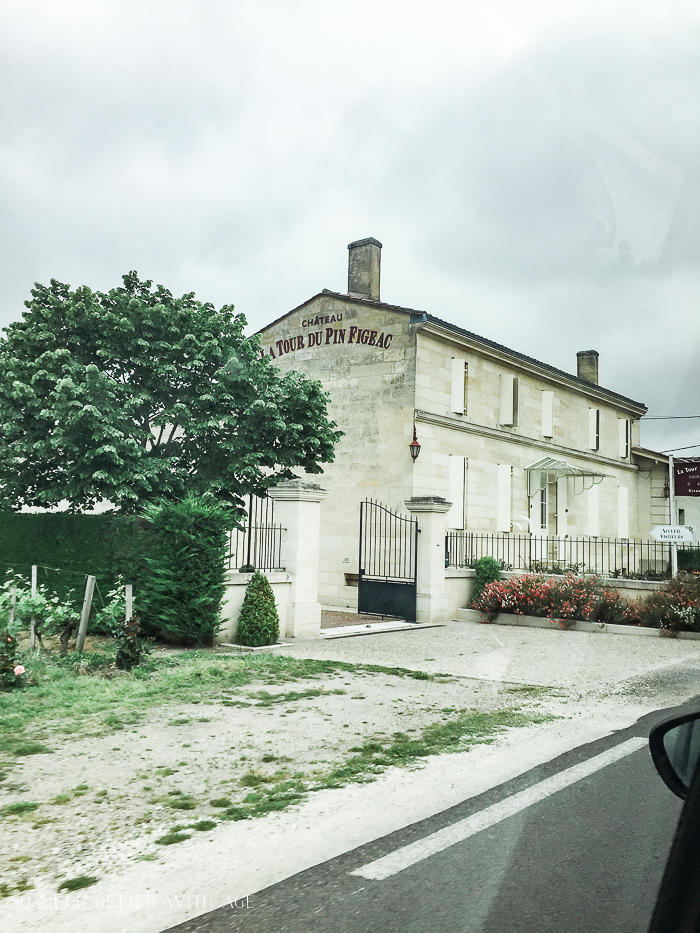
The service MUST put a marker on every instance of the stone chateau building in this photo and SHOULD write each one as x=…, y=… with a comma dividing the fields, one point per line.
x=516, y=445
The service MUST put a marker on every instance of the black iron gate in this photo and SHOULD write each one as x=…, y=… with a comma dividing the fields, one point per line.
x=388, y=562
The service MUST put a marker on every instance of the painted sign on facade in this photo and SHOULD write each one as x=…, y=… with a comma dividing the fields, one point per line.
x=329, y=336
x=686, y=476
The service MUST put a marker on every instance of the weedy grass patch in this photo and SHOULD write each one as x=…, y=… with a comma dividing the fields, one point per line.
x=266, y=699
x=19, y=808
x=468, y=728
x=171, y=838
x=203, y=825
x=77, y=689
x=221, y=802
x=21, y=885
x=273, y=793
x=76, y=884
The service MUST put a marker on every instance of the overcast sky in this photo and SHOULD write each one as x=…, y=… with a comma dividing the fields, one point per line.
x=530, y=166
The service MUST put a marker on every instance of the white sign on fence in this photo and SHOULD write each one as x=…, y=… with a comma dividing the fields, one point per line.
x=679, y=534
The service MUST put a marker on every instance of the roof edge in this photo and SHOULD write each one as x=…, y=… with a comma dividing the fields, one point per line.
x=425, y=317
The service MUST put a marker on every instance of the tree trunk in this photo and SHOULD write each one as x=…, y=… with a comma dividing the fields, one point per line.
x=66, y=636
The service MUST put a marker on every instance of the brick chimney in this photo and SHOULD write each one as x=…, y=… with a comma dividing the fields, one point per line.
x=364, y=263
x=587, y=366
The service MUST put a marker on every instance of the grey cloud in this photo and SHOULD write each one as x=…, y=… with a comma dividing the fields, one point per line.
x=551, y=204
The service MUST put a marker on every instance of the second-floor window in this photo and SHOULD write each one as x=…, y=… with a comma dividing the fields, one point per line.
x=594, y=428
x=547, y=413
x=459, y=388
x=508, y=407
x=624, y=436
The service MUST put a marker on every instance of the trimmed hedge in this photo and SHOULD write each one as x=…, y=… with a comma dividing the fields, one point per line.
x=104, y=545
x=174, y=558
x=689, y=560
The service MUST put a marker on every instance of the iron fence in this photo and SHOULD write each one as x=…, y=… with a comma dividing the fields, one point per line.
x=258, y=544
x=617, y=557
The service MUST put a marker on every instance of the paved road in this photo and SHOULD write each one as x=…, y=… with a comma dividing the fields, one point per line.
x=564, y=852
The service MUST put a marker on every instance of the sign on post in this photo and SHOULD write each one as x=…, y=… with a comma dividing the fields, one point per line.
x=672, y=534
x=686, y=475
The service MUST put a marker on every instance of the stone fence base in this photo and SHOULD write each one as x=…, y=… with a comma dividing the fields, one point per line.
x=459, y=583
x=593, y=628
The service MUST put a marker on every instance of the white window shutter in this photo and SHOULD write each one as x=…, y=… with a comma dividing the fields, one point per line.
x=593, y=512
x=622, y=512
x=503, y=496
x=562, y=506
x=623, y=428
x=457, y=386
x=506, y=400
x=456, y=487
x=547, y=413
x=593, y=428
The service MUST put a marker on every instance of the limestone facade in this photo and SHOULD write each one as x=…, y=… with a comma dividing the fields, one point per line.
x=483, y=414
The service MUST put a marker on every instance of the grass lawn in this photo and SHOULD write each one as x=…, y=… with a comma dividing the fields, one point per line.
x=99, y=767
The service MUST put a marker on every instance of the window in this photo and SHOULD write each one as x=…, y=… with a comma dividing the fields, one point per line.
x=457, y=482
x=508, y=409
x=547, y=413
x=681, y=516
x=504, y=481
x=624, y=436
x=459, y=386
x=594, y=428
x=544, y=507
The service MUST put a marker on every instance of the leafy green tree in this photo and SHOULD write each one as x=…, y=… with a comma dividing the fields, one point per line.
x=134, y=396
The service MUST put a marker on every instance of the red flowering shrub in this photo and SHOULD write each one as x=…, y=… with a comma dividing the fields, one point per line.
x=12, y=673
x=676, y=609
x=570, y=598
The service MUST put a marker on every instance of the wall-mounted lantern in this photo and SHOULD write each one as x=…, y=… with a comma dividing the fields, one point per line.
x=414, y=446
x=667, y=489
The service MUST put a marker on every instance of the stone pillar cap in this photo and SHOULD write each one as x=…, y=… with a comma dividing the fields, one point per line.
x=428, y=504
x=298, y=490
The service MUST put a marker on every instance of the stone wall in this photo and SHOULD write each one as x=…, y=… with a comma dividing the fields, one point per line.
x=365, y=358
x=478, y=436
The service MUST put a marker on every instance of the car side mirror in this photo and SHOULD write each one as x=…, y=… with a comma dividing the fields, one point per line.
x=675, y=748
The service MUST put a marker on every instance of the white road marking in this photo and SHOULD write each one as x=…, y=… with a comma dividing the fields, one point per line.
x=408, y=855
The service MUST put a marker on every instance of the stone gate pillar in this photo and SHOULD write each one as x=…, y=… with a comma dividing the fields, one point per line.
x=431, y=598
x=298, y=510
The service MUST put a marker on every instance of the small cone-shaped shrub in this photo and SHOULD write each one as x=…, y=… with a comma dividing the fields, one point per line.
x=258, y=622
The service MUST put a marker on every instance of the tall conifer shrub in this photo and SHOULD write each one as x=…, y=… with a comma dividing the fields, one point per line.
x=180, y=594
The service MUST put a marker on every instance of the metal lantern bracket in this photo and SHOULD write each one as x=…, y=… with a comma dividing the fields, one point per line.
x=414, y=446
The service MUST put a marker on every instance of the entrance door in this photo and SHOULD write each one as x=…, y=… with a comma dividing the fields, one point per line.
x=388, y=562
